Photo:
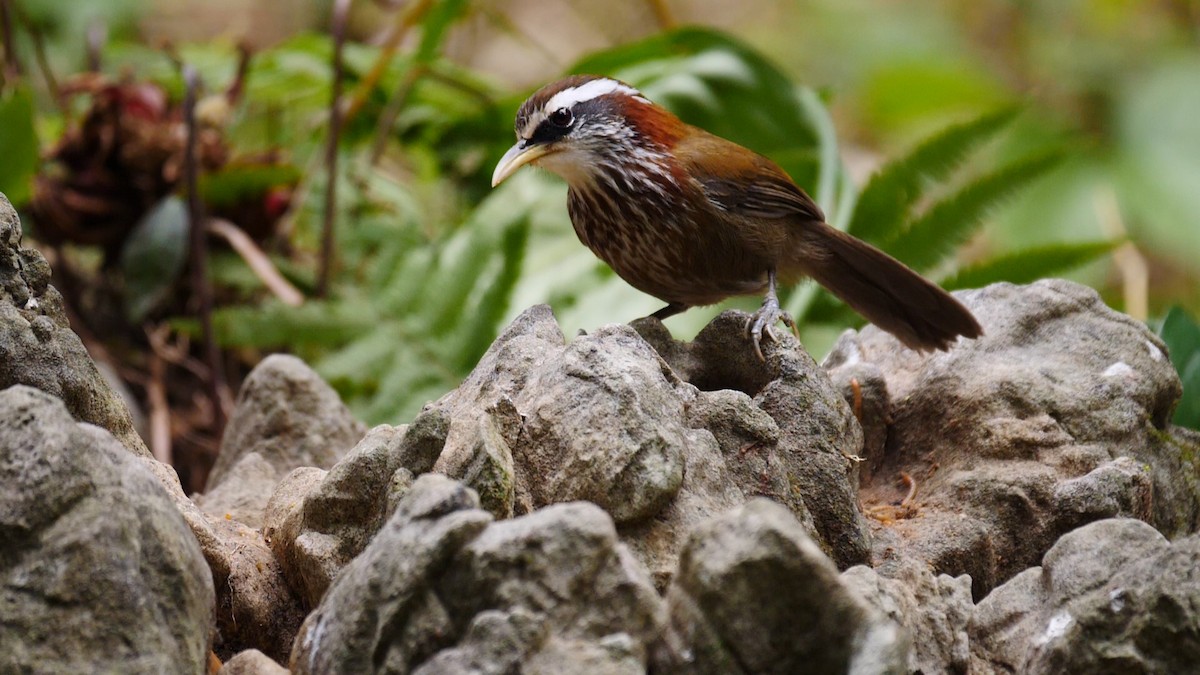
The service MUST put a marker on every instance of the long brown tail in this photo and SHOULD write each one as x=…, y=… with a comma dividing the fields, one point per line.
x=882, y=289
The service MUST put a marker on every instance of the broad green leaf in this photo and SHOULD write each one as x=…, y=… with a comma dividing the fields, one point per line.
x=718, y=83
x=18, y=145
x=1182, y=335
x=153, y=257
x=1187, y=414
x=435, y=26
x=886, y=202
x=951, y=222
x=239, y=182
x=1029, y=265
x=915, y=90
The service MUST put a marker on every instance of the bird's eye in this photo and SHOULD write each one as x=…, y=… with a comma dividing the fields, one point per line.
x=562, y=117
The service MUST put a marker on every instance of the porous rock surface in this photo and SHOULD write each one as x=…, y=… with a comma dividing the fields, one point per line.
x=754, y=594
x=624, y=503
x=98, y=572
x=1056, y=417
x=318, y=521
x=289, y=417
x=1113, y=596
x=606, y=419
x=445, y=588
x=38, y=347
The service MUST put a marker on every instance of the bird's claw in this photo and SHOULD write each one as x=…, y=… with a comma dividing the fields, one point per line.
x=761, y=324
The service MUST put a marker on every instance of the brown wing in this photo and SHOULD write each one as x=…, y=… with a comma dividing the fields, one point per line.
x=743, y=182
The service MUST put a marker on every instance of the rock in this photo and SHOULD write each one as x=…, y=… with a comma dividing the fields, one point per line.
x=38, y=347
x=599, y=419
x=98, y=572
x=707, y=490
x=495, y=382
x=934, y=613
x=252, y=662
x=255, y=609
x=755, y=594
x=443, y=588
x=604, y=423
x=288, y=415
x=793, y=443
x=1112, y=596
x=605, y=419
x=308, y=565
x=319, y=521
x=1056, y=417
x=243, y=495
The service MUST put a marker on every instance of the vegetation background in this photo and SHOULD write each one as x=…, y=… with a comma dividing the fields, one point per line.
x=977, y=141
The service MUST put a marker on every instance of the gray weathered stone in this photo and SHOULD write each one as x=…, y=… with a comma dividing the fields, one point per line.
x=933, y=611
x=1056, y=417
x=754, y=594
x=288, y=415
x=98, y=572
x=38, y=347
x=256, y=609
x=796, y=439
x=442, y=588
x=243, y=495
x=318, y=521
x=603, y=422
x=1112, y=596
x=252, y=662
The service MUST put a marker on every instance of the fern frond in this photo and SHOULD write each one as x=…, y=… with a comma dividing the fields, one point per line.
x=952, y=221
x=1028, y=265
x=886, y=201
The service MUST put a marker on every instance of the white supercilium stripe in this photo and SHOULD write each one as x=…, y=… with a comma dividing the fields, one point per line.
x=588, y=91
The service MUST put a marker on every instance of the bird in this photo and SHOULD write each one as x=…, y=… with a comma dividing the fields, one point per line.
x=692, y=219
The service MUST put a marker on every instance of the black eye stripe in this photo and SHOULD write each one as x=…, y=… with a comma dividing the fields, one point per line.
x=548, y=132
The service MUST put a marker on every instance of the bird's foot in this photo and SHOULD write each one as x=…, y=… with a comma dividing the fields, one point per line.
x=761, y=324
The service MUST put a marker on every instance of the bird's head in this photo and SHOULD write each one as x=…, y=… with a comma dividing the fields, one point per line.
x=579, y=126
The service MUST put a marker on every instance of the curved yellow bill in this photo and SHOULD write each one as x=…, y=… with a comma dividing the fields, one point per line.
x=517, y=156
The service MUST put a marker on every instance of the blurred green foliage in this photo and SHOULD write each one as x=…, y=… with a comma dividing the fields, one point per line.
x=1182, y=335
x=432, y=262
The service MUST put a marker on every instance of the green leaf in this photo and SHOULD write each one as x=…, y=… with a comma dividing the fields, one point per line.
x=952, y=221
x=274, y=325
x=1182, y=335
x=1029, y=265
x=1187, y=413
x=239, y=182
x=435, y=26
x=154, y=256
x=720, y=84
x=18, y=145
x=483, y=319
x=886, y=202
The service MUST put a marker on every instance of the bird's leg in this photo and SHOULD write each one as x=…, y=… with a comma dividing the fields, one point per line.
x=669, y=311
x=760, y=322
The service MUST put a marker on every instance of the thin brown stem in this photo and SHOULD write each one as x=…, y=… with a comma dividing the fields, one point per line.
x=12, y=65
x=257, y=260
x=388, y=119
x=405, y=20
x=663, y=14
x=340, y=9
x=199, y=253
x=156, y=395
x=39, y=53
